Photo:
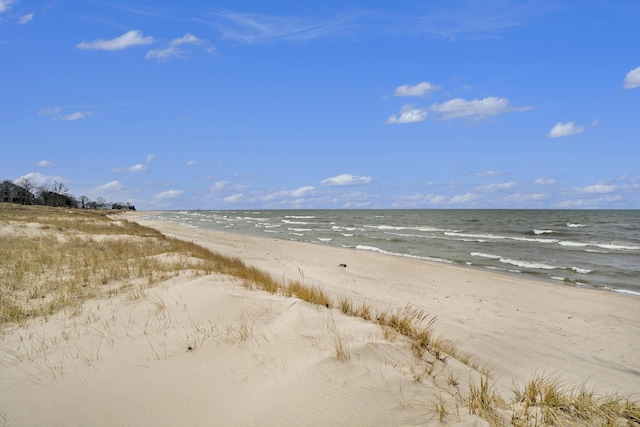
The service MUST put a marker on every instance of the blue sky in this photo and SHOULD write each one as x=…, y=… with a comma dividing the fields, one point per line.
x=332, y=104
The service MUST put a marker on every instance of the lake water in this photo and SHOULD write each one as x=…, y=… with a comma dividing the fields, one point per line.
x=593, y=248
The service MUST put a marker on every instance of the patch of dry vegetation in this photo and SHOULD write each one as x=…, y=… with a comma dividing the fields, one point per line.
x=75, y=255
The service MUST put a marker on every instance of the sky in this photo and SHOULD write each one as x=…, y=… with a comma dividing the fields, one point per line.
x=292, y=104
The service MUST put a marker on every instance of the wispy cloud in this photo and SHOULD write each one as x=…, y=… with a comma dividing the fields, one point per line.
x=561, y=130
x=133, y=169
x=169, y=194
x=347, y=179
x=420, y=89
x=475, y=108
x=109, y=187
x=26, y=18
x=599, y=188
x=470, y=18
x=297, y=193
x=128, y=39
x=76, y=116
x=499, y=186
x=45, y=163
x=5, y=5
x=544, y=181
x=489, y=173
x=632, y=79
x=56, y=114
x=256, y=28
x=179, y=48
x=408, y=114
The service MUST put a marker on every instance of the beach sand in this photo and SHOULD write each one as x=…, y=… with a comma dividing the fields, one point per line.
x=209, y=351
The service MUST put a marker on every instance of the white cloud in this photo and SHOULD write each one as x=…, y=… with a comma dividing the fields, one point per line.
x=75, y=116
x=299, y=192
x=561, y=130
x=544, y=181
x=26, y=18
x=465, y=198
x=478, y=108
x=632, y=79
x=421, y=89
x=408, y=114
x=128, y=39
x=108, y=187
x=150, y=158
x=498, y=186
x=133, y=169
x=234, y=198
x=169, y=194
x=519, y=197
x=191, y=163
x=39, y=179
x=176, y=48
x=489, y=173
x=5, y=5
x=346, y=179
x=45, y=163
x=597, y=189
x=219, y=185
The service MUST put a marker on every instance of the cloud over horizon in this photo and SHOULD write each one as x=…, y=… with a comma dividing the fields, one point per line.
x=346, y=179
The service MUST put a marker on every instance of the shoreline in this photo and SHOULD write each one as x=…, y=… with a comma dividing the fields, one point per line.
x=552, y=253
x=519, y=325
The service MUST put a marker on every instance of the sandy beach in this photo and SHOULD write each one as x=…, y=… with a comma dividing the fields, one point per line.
x=209, y=351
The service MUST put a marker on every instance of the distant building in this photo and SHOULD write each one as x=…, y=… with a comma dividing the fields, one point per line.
x=12, y=193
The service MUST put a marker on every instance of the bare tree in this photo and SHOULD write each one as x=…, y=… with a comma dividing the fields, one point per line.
x=44, y=194
x=60, y=188
x=29, y=186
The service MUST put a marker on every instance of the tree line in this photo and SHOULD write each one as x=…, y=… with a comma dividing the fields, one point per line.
x=26, y=192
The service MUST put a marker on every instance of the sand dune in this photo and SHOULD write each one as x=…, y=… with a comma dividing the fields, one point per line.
x=208, y=351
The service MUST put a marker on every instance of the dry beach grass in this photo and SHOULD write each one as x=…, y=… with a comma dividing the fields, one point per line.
x=86, y=296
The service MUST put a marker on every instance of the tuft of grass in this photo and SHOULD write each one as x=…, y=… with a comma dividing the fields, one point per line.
x=484, y=401
x=545, y=400
x=310, y=294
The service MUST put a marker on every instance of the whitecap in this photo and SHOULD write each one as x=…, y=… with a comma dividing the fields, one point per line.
x=617, y=247
x=627, y=291
x=528, y=264
x=324, y=239
x=517, y=263
x=482, y=255
x=571, y=225
x=581, y=270
x=542, y=231
x=574, y=244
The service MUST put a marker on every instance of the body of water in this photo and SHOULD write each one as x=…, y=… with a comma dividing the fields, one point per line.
x=593, y=248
